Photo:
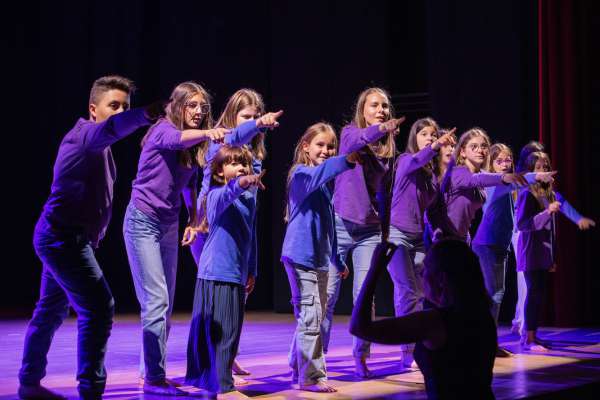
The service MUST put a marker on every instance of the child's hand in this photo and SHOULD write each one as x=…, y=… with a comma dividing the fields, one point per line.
x=585, y=223
x=217, y=135
x=252, y=180
x=554, y=207
x=546, y=177
x=514, y=178
x=269, y=120
x=250, y=284
x=344, y=274
x=189, y=235
x=447, y=139
x=391, y=125
x=354, y=158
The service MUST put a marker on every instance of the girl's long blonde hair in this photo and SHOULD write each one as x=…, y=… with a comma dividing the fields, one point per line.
x=226, y=155
x=301, y=157
x=462, y=143
x=386, y=146
x=175, y=113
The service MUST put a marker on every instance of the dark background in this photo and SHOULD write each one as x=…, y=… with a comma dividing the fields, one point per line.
x=466, y=63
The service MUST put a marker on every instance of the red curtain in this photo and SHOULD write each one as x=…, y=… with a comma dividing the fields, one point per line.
x=564, y=128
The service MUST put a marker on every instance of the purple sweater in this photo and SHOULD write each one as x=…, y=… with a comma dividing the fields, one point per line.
x=536, y=245
x=84, y=173
x=354, y=197
x=465, y=195
x=161, y=178
x=414, y=189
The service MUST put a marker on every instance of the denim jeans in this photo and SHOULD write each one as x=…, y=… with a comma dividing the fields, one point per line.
x=309, y=298
x=406, y=271
x=493, y=267
x=519, y=318
x=361, y=240
x=152, y=251
x=70, y=276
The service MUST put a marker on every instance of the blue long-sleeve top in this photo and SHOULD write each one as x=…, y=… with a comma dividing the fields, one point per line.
x=497, y=223
x=228, y=254
x=310, y=238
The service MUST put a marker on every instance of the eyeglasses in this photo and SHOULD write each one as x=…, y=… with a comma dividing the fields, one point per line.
x=503, y=161
x=193, y=106
x=476, y=146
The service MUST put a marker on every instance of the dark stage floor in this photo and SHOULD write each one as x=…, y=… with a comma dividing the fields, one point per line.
x=570, y=371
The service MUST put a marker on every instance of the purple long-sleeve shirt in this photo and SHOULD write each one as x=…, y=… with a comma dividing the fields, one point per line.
x=161, y=178
x=354, y=196
x=414, y=189
x=81, y=195
x=465, y=195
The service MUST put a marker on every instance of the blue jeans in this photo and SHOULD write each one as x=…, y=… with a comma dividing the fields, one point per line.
x=493, y=266
x=152, y=251
x=519, y=318
x=309, y=298
x=361, y=240
x=70, y=276
x=406, y=271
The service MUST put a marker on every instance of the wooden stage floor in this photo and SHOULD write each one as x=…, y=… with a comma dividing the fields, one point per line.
x=570, y=371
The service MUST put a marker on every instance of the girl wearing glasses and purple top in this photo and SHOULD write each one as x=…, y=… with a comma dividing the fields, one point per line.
x=414, y=189
x=167, y=169
x=357, y=222
x=492, y=240
x=462, y=188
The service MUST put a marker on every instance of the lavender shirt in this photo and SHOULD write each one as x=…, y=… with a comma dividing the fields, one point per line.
x=414, y=189
x=161, y=178
x=354, y=197
x=84, y=173
x=465, y=195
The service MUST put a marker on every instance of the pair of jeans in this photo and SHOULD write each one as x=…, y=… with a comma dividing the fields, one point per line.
x=493, y=261
x=536, y=291
x=361, y=240
x=309, y=298
x=152, y=251
x=406, y=271
x=519, y=318
x=70, y=276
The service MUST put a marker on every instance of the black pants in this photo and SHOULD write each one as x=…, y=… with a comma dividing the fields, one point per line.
x=536, y=291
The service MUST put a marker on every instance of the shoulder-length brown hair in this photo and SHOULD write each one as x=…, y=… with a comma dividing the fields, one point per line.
x=542, y=191
x=462, y=143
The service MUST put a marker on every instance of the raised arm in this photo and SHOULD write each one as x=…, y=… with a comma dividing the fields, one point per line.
x=97, y=137
x=306, y=179
x=354, y=138
x=423, y=325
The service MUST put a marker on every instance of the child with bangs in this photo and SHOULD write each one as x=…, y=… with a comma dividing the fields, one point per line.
x=536, y=247
x=226, y=270
x=310, y=247
x=493, y=237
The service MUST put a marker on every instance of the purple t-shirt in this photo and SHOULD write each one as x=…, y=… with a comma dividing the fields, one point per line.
x=354, y=197
x=414, y=189
x=161, y=178
x=84, y=173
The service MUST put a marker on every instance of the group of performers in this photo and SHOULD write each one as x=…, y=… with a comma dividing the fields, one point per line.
x=342, y=201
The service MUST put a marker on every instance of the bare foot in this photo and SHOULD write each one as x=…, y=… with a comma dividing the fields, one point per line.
x=361, y=369
x=237, y=381
x=238, y=369
x=319, y=387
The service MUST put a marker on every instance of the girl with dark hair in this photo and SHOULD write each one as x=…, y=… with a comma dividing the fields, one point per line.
x=414, y=188
x=456, y=337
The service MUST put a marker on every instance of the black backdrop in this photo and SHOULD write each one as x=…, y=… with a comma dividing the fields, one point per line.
x=465, y=63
